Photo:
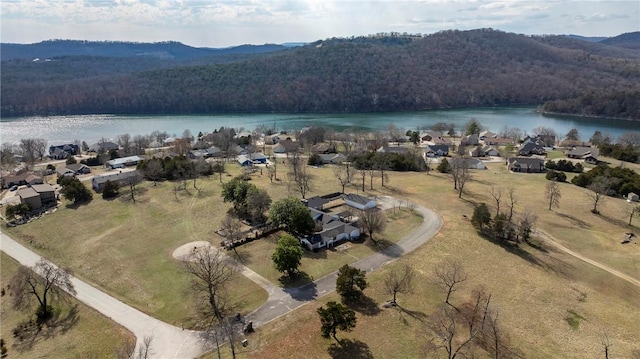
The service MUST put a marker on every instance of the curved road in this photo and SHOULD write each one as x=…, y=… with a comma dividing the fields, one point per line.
x=173, y=342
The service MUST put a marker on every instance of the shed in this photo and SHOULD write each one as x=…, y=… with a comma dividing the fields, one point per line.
x=359, y=202
x=633, y=197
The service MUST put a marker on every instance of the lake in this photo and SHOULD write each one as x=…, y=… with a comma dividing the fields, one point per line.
x=90, y=128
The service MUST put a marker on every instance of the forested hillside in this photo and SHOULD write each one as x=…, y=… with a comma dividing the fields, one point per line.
x=392, y=73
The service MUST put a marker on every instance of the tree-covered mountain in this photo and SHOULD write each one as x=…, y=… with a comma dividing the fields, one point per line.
x=629, y=40
x=159, y=50
x=376, y=73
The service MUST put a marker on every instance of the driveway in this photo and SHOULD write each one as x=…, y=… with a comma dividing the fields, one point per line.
x=173, y=342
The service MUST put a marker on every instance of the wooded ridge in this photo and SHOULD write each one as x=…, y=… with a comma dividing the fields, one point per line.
x=363, y=74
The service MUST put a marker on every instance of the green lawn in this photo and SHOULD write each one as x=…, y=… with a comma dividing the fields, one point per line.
x=80, y=332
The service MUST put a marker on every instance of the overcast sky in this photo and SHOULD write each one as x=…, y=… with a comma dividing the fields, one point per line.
x=214, y=23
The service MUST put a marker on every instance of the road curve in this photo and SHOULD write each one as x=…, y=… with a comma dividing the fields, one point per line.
x=173, y=342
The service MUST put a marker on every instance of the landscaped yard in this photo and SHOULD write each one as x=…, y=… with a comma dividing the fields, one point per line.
x=80, y=331
x=257, y=254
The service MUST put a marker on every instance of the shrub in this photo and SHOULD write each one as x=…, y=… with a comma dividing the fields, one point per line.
x=553, y=175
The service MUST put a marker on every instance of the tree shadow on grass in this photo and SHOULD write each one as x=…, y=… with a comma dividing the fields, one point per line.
x=417, y=315
x=365, y=306
x=33, y=333
x=575, y=221
x=78, y=205
x=350, y=349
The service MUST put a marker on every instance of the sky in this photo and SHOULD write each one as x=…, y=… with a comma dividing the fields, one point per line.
x=216, y=23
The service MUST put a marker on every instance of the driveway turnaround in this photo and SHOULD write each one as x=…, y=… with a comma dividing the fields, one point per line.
x=169, y=341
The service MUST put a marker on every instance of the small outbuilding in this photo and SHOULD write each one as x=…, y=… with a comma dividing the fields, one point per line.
x=633, y=197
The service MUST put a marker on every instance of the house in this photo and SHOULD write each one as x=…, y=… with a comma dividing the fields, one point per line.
x=486, y=134
x=470, y=140
x=359, y=202
x=61, y=152
x=499, y=141
x=531, y=146
x=475, y=164
x=31, y=197
x=251, y=159
x=316, y=202
x=484, y=151
x=331, y=233
x=392, y=149
x=79, y=168
x=332, y=158
x=122, y=178
x=105, y=146
x=436, y=150
x=47, y=194
x=285, y=146
x=26, y=178
x=632, y=197
x=63, y=171
x=123, y=162
x=430, y=135
x=526, y=164
x=588, y=154
x=322, y=148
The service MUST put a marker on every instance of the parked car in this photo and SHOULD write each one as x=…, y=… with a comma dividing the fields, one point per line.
x=13, y=188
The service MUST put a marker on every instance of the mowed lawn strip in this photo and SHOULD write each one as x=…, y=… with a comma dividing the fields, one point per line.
x=88, y=335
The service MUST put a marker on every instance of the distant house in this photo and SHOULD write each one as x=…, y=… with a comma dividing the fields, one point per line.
x=392, y=149
x=430, y=135
x=484, y=151
x=486, y=134
x=499, y=141
x=526, y=164
x=436, y=150
x=359, y=202
x=61, y=152
x=122, y=178
x=123, y=162
x=79, y=168
x=588, y=154
x=330, y=234
x=285, y=146
x=105, y=146
x=26, y=178
x=632, y=197
x=475, y=164
x=332, y=158
x=63, y=171
x=322, y=148
x=470, y=140
x=251, y=159
x=531, y=146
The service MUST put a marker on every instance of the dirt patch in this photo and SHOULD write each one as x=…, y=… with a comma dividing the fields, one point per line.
x=185, y=252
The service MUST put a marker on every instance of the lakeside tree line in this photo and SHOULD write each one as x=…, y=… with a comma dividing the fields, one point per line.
x=448, y=69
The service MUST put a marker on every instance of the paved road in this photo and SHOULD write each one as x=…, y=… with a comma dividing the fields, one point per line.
x=172, y=342
x=168, y=341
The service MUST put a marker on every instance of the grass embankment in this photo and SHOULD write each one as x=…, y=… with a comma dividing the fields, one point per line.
x=79, y=332
x=536, y=290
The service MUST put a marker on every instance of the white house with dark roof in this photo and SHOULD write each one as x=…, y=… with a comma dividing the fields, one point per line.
x=121, y=178
x=360, y=202
x=123, y=162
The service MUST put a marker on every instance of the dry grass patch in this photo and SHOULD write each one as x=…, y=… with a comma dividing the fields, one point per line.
x=80, y=332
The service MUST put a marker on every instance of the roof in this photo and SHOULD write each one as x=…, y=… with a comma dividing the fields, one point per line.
x=529, y=162
x=392, y=149
x=581, y=151
x=40, y=188
x=316, y=202
x=436, y=148
x=357, y=198
x=20, y=177
x=124, y=160
x=120, y=176
x=25, y=193
x=76, y=166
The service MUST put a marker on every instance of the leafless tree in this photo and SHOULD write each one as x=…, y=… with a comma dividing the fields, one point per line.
x=496, y=193
x=633, y=210
x=630, y=139
x=40, y=147
x=460, y=173
x=124, y=141
x=372, y=221
x=553, y=194
x=7, y=154
x=232, y=228
x=211, y=273
x=140, y=143
x=449, y=276
x=44, y=282
x=362, y=173
x=342, y=175
x=154, y=170
x=399, y=280
x=28, y=148
x=299, y=178
x=525, y=225
x=132, y=182
x=598, y=190
x=606, y=344
x=511, y=196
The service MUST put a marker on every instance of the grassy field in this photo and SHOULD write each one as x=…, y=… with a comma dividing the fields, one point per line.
x=257, y=255
x=80, y=332
x=536, y=291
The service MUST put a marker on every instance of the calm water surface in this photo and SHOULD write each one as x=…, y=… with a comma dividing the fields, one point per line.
x=90, y=128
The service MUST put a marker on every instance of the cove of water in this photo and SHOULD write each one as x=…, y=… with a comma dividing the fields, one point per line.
x=90, y=128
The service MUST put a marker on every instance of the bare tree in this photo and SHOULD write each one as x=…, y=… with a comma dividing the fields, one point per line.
x=553, y=194
x=460, y=173
x=132, y=181
x=342, y=175
x=44, y=282
x=28, y=148
x=399, y=281
x=372, y=221
x=124, y=141
x=512, y=202
x=362, y=173
x=211, y=272
x=449, y=276
x=606, y=344
x=633, y=210
x=232, y=228
x=598, y=190
x=140, y=143
x=153, y=170
x=7, y=154
x=496, y=193
x=299, y=178
x=40, y=147
x=218, y=168
x=629, y=139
